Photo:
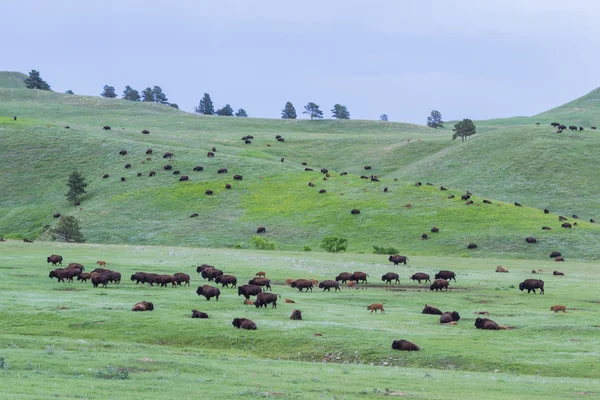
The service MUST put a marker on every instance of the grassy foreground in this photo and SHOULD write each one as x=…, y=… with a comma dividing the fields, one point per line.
x=55, y=338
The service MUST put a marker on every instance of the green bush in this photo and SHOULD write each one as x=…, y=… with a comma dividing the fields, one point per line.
x=385, y=250
x=112, y=373
x=237, y=246
x=334, y=244
x=261, y=243
x=306, y=248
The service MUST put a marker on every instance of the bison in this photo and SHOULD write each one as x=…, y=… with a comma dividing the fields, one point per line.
x=63, y=273
x=222, y=171
x=343, y=277
x=226, y=280
x=404, y=345
x=199, y=314
x=180, y=278
x=531, y=285
x=208, y=192
x=151, y=173
x=485, y=323
x=244, y=323
x=238, y=177
x=146, y=132
x=558, y=273
x=555, y=254
x=106, y=128
x=211, y=273
x=143, y=306
x=210, y=154
x=84, y=276
x=302, y=284
x=322, y=191
x=424, y=236
x=355, y=211
x=198, y=168
x=431, y=310
x=324, y=170
x=499, y=268
x=397, y=259
x=296, y=315
x=105, y=176
x=449, y=317
x=263, y=299
x=261, y=229
x=390, y=276
x=149, y=151
x=249, y=290
x=420, y=276
x=261, y=282
x=566, y=225
x=168, y=154
x=375, y=307
x=359, y=276
x=55, y=259
x=487, y=202
x=208, y=291
x=471, y=246
x=56, y=215
x=465, y=196
x=168, y=167
x=435, y=229
x=202, y=267
x=560, y=259
x=439, y=284
x=183, y=178
x=558, y=308
x=444, y=274
x=328, y=284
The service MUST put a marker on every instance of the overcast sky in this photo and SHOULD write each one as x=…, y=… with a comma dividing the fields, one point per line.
x=474, y=59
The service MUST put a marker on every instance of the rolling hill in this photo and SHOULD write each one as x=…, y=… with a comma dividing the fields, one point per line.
x=511, y=160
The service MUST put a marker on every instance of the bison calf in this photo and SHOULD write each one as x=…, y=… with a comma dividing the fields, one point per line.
x=558, y=308
x=375, y=307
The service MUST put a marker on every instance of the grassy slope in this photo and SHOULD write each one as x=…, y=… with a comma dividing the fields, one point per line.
x=12, y=80
x=67, y=332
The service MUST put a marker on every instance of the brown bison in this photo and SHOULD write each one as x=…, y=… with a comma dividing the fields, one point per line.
x=261, y=229
x=222, y=171
x=199, y=314
x=198, y=168
x=343, y=277
x=424, y=236
x=555, y=254
x=296, y=315
x=244, y=323
x=390, y=276
x=530, y=239
x=311, y=184
x=210, y=154
x=84, y=276
x=123, y=152
x=324, y=170
x=261, y=282
x=55, y=259
x=449, y=317
x=208, y=291
x=558, y=273
x=238, y=177
x=302, y=284
x=249, y=290
x=227, y=186
x=404, y=345
x=146, y=132
x=420, y=276
x=143, y=306
x=261, y=274
x=152, y=173
x=439, y=284
x=465, y=197
x=431, y=310
x=375, y=307
x=471, y=246
x=99, y=279
x=558, y=308
x=487, y=202
x=183, y=178
x=64, y=273
x=485, y=323
x=167, y=167
x=56, y=215
x=168, y=154
x=211, y=273
x=444, y=274
x=226, y=280
x=202, y=267
x=397, y=259
x=194, y=215
x=208, y=192
x=106, y=128
x=180, y=278
x=531, y=285
x=149, y=151
x=546, y=228
x=308, y=169
x=105, y=176
x=322, y=191
x=566, y=225
x=263, y=299
x=500, y=268
x=359, y=277
x=355, y=211
x=559, y=259
x=328, y=284
x=435, y=229
x=451, y=196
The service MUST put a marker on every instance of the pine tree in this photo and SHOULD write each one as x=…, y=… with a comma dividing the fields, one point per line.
x=289, y=112
x=313, y=110
x=131, y=94
x=67, y=230
x=464, y=129
x=148, y=95
x=241, y=113
x=340, y=112
x=109, y=92
x=205, y=106
x=383, y=117
x=77, y=185
x=226, y=111
x=159, y=96
x=35, y=82
x=69, y=92
x=435, y=120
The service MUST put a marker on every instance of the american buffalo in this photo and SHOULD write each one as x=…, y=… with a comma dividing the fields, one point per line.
x=546, y=228
x=390, y=276
x=566, y=225
x=244, y=323
x=296, y=315
x=64, y=273
x=418, y=184
x=143, y=306
x=518, y=204
x=227, y=186
x=84, y=276
x=176, y=172
x=226, y=280
x=485, y=323
x=445, y=274
x=322, y=191
x=123, y=179
x=499, y=268
x=261, y=229
x=106, y=128
x=168, y=167
x=211, y=274
x=397, y=259
x=451, y=196
x=355, y=211
x=592, y=220
x=183, y=178
x=465, y=196
x=487, y=202
x=304, y=163
x=123, y=152
x=139, y=174
x=55, y=259
x=151, y=173
x=593, y=127
x=468, y=203
x=99, y=279
x=324, y=170
x=308, y=169
x=328, y=284
x=471, y=246
x=249, y=290
x=281, y=139
x=214, y=149
x=431, y=310
x=575, y=216
x=237, y=177
x=385, y=189
x=404, y=345
x=375, y=307
x=420, y=276
x=439, y=284
x=343, y=173
x=532, y=284
x=435, y=229
x=530, y=239
x=180, y=278
x=199, y=314
x=25, y=240
x=261, y=282
x=208, y=291
x=202, y=267
x=572, y=127
x=208, y=192
x=263, y=299
x=210, y=154
x=146, y=132
x=311, y=184
x=424, y=236
x=78, y=266
x=359, y=276
x=449, y=317
x=343, y=277
x=558, y=273
x=443, y=188
x=168, y=154
x=558, y=308
x=367, y=167
x=561, y=218
x=56, y=215
x=198, y=168
x=302, y=284
x=105, y=176
x=149, y=151
x=261, y=274
x=364, y=177
x=560, y=259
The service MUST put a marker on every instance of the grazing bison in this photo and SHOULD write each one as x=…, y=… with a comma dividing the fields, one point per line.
x=105, y=176
x=575, y=216
x=424, y=236
x=123, y=179
x=451, y=196
x=149, y=151
x=431, y=310
x=385, y=189
x=390, y=276
x=25, y=240
x=322, y=191
x=222, y=171
x=487, y=202
x=530, y=239
x=208, y=291
x=176, y=172
x=443, y=188
x=465, y=197
x=420, y=276
x=471, y=246
x=328, y=284
x=263, y=299
x=227, y=186
x=311, y=184
x=445, y=274
x=449, y=317
x=592, y=221
x=418, y=184
x=559, y=259
x=244, y=323
x=152, y=173
x=324, y=170
x=531, y=285
x=249, y=290
x=146, y=132
x=214, y=149
x=210, y=154
x=198, y=168
x=485, y=323
x=143, y=306
x=499, y=268
x=84, y=276
x=359, y=276
x=226, y=280
x=518, y=204
x=139, y=174
x=106, y=128
x=343, y=173
x=435, y=229
x=572, y=127
x=546, y=228
x=558, y=308
x=308, y=169
x=281, y=139
x=404, y=345
x=296, y=315
x=208, y=192
x=343, y=277
x=468, y=203
x=99, y=279
x=439, y=284
x=56, y=215
x=566, y=225
x=168, y=154
x=375, y=307
x=123, y=152
x=199, y=314
x=367, y=167
x=55, y=259
x=558, y=273
x=302, y=284
x=397, y=259
x=237, y=177
x=261, y=229
x=561, y=218
x=168, y=167
x=355, y=211
x=593, y=127
x=261, y=282
x=183, y=178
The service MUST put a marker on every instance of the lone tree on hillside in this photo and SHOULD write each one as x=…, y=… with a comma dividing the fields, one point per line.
x=77, y=185
x=109, y=92
x=435, y=120
x=383, y=117
x=205, y=106
x=131, y=94
x=69, y=92
x=67, y=230
x=159, y=96
x=340, y=112
x=226, y=111
x=241, y=113
x=313, y=110
x=464, y=129
x=33, y=81
x=148, y=95
x=333, y=244
x=289, y=112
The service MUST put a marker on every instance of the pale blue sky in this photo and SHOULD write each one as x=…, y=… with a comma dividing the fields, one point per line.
x=467, y=58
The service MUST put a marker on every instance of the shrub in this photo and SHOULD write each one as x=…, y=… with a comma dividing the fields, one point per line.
x=306, y=248
x=112, y=373
x=334, y=244
x=262, y=243
x=237, y=246
x=385, y=250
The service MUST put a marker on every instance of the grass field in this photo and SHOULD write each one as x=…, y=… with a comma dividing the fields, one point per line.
x=55, y=338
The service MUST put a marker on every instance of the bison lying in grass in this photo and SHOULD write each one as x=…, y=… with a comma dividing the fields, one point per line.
x=404, y=345
x=244, y=323
x=143, y=306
